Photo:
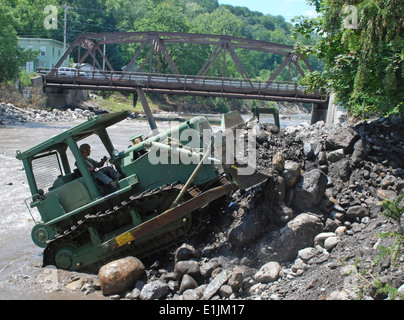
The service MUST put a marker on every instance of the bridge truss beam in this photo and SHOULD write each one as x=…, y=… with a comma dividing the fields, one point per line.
x=155, y=46
x=157, y=41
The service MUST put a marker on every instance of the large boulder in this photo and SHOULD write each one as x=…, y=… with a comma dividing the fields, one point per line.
x=269, y=272
x=284, y=244
x=120, y=275
x=341, y=137
x=247, y=230
x=310, y=189
x=361, y=150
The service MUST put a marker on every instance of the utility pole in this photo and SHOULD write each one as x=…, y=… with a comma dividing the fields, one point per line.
x=103, y=60
x=65, y=7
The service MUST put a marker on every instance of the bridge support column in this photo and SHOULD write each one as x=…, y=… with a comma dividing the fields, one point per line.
x=332, y=107
x=146, y=108
x=319, y=112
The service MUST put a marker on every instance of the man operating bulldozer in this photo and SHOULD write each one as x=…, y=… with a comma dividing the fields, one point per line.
x=106, y=175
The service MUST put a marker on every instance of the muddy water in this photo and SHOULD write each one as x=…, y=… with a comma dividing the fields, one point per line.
x=20, y=259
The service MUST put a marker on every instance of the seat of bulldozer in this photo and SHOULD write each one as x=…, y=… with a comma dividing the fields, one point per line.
x=71, y=195
x=61, y=180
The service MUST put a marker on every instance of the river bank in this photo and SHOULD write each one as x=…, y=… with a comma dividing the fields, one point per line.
x=10, y=115
x=309, y=232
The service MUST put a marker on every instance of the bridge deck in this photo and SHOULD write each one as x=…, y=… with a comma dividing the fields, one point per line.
x=180, y=84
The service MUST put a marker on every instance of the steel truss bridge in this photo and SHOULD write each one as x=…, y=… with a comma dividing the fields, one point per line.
x=154, y=50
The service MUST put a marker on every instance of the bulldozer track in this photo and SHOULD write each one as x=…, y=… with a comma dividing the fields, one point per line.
x=71, y=235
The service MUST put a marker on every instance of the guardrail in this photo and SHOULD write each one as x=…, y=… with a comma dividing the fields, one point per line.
x=119, y=80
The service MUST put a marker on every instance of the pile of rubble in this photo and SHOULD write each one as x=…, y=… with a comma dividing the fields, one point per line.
x=308, y=232
x=10, y=114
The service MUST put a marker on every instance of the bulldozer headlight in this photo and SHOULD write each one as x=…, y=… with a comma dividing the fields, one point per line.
x=115, y=153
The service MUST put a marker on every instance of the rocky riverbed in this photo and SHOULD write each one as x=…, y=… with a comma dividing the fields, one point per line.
x=309, y=232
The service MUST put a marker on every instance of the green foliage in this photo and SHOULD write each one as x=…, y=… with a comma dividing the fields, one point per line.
x=11, y=56
x=363, y=61
x=26, y=78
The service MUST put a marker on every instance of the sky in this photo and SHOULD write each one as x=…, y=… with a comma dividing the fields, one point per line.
x=286, y=8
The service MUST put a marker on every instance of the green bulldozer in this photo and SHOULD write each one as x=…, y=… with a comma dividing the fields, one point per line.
x=166, y=184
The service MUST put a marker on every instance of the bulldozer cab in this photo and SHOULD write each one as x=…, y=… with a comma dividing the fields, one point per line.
x=56, y=185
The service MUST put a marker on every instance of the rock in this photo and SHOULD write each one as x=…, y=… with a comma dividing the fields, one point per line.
x=311, y=149
x=321, y=237
x=309, y=253
x=400, y=290
x=280, y=189
x=187, y=282
x=14, y=114
x=340, y=230
x=340, y=170
x=361, y=151
x=341, y=137
x=87, y=288
x=357, y=212
x=283, y=245
x=207, y=268
x=336, y=155
x=269, y=272
x=260, y=134
x=291, y=173
x=120, y=275
x=215, y=284
x=190, y=294
x=190, y=267
x=135, y=294
x=330, y=243
x=185, y=252
x=338, y=295
x=283, y=214
x=246, y=231
x=225, y=291
x=236, y=279
x=310, y=189
x=322, y=158
x=278, y=161
x=154, y=290
x=387, y=181
x=75, y=285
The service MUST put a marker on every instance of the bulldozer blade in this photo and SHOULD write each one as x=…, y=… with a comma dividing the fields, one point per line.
x=168, y=216
x=232, y=120
x=246, y=176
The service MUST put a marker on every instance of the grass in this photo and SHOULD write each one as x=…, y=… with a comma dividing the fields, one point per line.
x=116, y=102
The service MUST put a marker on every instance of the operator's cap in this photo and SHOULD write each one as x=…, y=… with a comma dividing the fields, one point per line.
x=135, y=139
x=138, y=135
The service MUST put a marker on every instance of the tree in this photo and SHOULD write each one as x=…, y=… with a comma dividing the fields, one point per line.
x=362, y=45
x=28, y=18
x=165, y=16
x=11, y=56
x=221, y=21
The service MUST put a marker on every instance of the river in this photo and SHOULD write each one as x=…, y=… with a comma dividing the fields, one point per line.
x=20, y=258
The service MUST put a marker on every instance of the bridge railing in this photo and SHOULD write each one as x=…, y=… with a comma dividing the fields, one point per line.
x=116, y=79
